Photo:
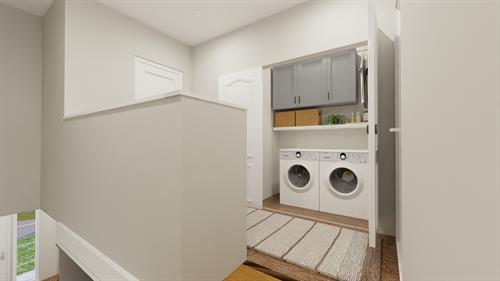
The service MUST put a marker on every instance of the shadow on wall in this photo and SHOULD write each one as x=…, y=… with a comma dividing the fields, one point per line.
x=69, y=270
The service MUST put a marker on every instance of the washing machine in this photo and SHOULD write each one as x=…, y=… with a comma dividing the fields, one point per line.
x=343, y=185
x=299, y=178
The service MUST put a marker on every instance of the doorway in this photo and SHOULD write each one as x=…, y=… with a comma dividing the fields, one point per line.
x=245, y=88
x=26, y=246
x=18, y=246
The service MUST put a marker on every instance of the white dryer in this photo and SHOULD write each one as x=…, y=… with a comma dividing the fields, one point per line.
x=343, y=188
x=299, y=178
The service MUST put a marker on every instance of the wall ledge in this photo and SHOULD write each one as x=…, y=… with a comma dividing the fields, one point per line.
x=168, y=95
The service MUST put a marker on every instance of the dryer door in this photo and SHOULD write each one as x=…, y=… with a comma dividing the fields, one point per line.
x=344, y=182
x=299, y=177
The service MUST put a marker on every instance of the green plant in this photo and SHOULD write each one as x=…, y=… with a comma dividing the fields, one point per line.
x=26, y=254
x=335, y=119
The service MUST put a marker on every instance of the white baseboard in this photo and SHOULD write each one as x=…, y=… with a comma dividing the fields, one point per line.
x=93, y=262
x=400, y=265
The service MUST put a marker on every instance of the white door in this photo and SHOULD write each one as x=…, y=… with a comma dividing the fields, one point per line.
x=372, y=124
x=7, y=242
x=245, y=88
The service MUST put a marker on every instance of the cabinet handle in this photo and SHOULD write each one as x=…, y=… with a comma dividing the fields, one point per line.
x=299, y=99
x=328, y=95
x=294, y=100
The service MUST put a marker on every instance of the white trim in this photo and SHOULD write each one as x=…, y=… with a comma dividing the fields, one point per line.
x=37, y=244
x=372, y=122
x=93, y=262
x=400, y=265
x=309, y=56
x=177, y=93
x=361, y=125
x=212, y=100
x=13, y=244
x=7, y=234
x=248, y=80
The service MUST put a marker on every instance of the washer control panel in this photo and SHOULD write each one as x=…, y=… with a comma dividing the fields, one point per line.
x=352, y=157
x=299, y=155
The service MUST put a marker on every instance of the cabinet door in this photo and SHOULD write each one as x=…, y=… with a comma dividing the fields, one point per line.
x=343, y=78
x=284, y=87
x=312, y=83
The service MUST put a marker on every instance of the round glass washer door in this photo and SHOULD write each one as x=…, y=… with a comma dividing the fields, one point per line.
x=299, y=177
x=344, y=181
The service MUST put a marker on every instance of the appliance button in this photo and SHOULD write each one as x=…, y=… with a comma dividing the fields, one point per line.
x=298, y=154
x=343, y=156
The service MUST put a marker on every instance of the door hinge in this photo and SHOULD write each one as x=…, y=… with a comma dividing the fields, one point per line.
x=368, y=129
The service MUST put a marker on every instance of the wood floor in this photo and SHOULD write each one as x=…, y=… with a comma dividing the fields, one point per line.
x=273, y=204
x=53, y=278
x=247, y=273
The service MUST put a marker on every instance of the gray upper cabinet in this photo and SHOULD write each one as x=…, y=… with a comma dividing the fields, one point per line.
x=343, y=78
x=312, y=82
x=322, y=81
x=284, y=87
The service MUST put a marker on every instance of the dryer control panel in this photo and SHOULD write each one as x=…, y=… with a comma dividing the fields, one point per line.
x=299, y=155
x=352, y=157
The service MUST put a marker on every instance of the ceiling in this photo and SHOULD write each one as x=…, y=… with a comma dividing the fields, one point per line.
x=189, y=21
x=35, y=7
x=195, y=21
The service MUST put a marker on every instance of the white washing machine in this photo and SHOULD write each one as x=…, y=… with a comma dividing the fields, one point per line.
x=299, y=178
x=343, y=188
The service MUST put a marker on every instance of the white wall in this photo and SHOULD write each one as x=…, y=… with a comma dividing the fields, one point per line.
x=308, y=28
x=449, y=140
x=20, y=110
x=101, y=45
x=498, y=132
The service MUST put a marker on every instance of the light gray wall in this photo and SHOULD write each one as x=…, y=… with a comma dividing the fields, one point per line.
x=20, y=110
x=213, y=190
x=111, y=177
x=69, y=270
x=151, y=185
x=101, y=45
x=498, y=130
x=449, y=140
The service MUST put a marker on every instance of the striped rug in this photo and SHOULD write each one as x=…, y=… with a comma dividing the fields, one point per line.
x=330, y=250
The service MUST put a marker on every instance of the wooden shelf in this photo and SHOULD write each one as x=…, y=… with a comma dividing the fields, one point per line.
x=323, y=127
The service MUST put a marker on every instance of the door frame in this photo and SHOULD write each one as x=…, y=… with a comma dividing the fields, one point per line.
x=254, y=157
x=372, y=126
x=10, y=242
